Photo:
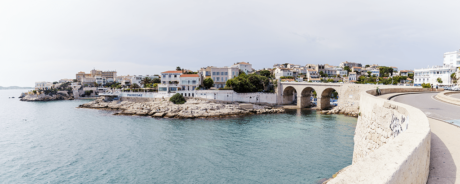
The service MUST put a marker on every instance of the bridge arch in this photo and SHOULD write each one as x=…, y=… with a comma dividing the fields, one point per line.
x=304, y=98
x=324, y=100
x=289, y=95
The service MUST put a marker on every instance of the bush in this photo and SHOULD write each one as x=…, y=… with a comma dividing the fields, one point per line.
x=427, y=85
x=177, y=99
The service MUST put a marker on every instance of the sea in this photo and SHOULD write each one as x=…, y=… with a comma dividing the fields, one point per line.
x=56, y=142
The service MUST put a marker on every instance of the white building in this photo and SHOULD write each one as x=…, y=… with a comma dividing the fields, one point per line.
x=188, y=84
x=283, y=72
x=169, y=82
x=431, y=75
x=43, y=85
x=341, y=72
x=65, y=80
x=352, y=77
x=375, y=72
x=245, y=67
x=452, y=58
x=137, y=79
x=350, y=64
x=220, y=75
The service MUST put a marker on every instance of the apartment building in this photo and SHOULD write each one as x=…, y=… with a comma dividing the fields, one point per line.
x=43, y=85
x=283, y=72
x=169, y=82
x=452, y=58
x=405, y=72
x=124, y=80
x=350, y=64
x=352, y=77
x=219, y=75
x=101, y=77
x=243, y=66
x=431, y=74
x=313, y=75
x=341, y=72
x=188, y=84
x=375, y=72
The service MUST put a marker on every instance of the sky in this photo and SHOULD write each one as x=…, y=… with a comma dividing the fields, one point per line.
x=51, y=40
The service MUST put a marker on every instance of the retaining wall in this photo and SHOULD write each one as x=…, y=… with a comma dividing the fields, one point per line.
x=392, y=142
x=444, y=96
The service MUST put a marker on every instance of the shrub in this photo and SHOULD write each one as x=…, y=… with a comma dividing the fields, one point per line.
x=177, y=99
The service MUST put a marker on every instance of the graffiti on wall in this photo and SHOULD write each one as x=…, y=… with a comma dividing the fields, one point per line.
x=399, y=124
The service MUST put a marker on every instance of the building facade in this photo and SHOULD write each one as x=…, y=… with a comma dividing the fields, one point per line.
x=243, y=66
x=188, y=84
x=220, y=75
x=169, y=82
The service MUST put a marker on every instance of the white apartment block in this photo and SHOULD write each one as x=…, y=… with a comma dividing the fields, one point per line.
x=188, y=84
x=350, y=64
x=431, y=74
x=125, y=80
x=139, y=78
x=341, y=72
x=375, y=72
x=283, y=72
x=169, y=82
x=220, y=75
x=245, y=67
x=452, y=58
x=352, y=77
x=43, y=85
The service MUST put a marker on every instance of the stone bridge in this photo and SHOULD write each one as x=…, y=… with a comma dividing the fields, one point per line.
x=288, y=91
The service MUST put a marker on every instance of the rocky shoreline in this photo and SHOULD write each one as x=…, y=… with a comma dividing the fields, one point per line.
x=42, y=97
x=354, y=112
x=193, y=108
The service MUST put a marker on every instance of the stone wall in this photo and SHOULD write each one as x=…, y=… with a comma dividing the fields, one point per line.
x=392, y=142
x=444, y=96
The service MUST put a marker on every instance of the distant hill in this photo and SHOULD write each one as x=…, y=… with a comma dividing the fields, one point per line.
x=15, y=87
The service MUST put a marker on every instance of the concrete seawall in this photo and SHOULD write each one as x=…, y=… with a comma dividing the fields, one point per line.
x=392, y=142
x=444, y=96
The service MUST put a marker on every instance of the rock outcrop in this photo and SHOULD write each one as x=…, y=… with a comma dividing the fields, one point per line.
x=349, y=111
x=42, y=97
x=193, y=108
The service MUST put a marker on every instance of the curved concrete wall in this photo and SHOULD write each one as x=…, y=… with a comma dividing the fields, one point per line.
x=444, y=96
x=392, y=142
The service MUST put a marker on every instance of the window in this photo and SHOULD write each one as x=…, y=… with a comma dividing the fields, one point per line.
x=226, y=73
x=225, y=78
x=233, y=73
x=221, y=73
x=213, y=73
x=214, y=79
x=217, y=79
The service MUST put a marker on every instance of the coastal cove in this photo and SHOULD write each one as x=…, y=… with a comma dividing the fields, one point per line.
x=55, y=141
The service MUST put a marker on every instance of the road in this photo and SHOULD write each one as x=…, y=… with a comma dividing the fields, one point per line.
x=445, y=145
x=431, y=107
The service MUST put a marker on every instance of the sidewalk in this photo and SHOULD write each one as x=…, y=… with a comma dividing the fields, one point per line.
x=445, y=153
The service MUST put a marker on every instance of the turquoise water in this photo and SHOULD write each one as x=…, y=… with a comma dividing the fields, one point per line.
x=53, y=142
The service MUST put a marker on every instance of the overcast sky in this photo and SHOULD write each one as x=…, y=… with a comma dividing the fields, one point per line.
x=51, y=40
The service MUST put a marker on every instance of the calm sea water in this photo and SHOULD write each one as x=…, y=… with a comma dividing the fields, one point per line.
x=53, y=142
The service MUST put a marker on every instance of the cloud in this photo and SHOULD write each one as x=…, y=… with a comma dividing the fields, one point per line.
x=132, y=37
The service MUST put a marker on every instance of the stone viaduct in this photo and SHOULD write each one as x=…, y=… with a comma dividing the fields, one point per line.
x=302, y=91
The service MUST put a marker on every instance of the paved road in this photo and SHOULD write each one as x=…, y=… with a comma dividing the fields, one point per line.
x=445, y=137
x=431, y=107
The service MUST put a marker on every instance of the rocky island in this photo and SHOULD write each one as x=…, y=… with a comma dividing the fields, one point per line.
x=43, y=97
x=193, y=108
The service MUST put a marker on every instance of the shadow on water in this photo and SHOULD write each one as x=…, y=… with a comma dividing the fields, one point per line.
x=442, y=165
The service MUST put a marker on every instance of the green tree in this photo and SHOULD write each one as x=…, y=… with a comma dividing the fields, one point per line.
x=178, y=68
x=156, y=80
x=177, y=99
x=248, y=83
x=366, y=66
x=135, y=86
x=265, y=73
x=411, y=75
x=330, y=80
x=208, y=83
x=369, y=73
x=347, y=68
x=439, y=80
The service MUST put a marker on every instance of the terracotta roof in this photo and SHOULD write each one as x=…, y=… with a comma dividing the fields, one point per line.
x=404, y=71
x=243, y=63
x=287, y=79
x=314, y=79
x=356, y=67
x=394, y=67
x=311, y=70
x=172, y=71
x=189, y=75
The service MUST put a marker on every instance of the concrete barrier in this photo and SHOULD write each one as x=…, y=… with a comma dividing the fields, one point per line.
x=444, y=96
x=392, y=142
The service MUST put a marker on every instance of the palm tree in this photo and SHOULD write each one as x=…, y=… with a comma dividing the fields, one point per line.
x=146, y=81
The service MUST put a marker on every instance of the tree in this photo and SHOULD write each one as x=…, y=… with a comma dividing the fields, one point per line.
x=330, y=80
x=208, y=82
x=369, y=73
x=135, y=86
x=439, y=80
x=178, y=68
x=366, y=66
x=347, y=68
x=177, y=99
x=453, y=76
x=411, y=75
x=156, y=80
x=265, y=73
x=146, y=81
x=75, y=80
x=248, y=83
